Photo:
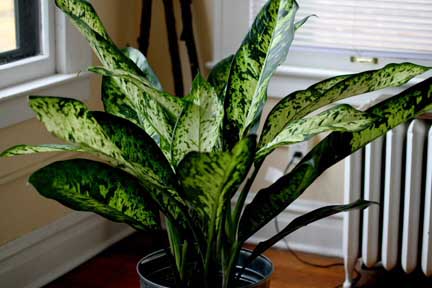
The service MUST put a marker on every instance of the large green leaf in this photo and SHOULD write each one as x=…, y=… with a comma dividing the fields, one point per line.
x=340, y=118
x=160, y=109
x=92, y=186
x=264, y=48
x=70, y=120
x=305, y=220
x=141, y=61
x=138, y=149
x=117, y=103
x=199, y=126
x=32, y=149
x=85, y=12
x=210, y=180
x=301, y=103
x=270, y=201
x=219, y=75
x=117, y=141
x=171, y=105
x=144, y=105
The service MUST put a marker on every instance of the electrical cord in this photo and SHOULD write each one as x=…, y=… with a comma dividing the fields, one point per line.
x=294, y=160
x=312, y=264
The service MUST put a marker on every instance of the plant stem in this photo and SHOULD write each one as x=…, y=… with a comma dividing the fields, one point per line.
x=174, y=241
x=144, y=38
x=235, y=251
x=243, y=194
x=173, y=47
x=188, y=36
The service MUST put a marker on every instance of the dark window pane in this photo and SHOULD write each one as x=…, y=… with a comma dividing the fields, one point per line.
x=19, y=28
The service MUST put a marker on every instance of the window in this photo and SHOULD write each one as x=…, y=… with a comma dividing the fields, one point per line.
x=19, y=29
x=34, y=53
x=369, y=31
x=347, y=35
x=40, y=53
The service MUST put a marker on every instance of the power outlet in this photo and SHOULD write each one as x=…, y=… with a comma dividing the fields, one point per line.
x=302, y=147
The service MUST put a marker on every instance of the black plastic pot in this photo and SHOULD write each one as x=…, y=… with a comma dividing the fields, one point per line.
x=154, y=271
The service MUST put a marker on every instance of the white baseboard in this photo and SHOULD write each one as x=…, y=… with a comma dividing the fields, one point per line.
x=323, y=237
x=47, y=253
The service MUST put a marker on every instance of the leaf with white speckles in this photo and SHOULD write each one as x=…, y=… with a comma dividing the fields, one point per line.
x=92, y=186
x=199, y=126
x=159, y=108
x=210, y=180
x=84, y=11
x=116, y=140
x=340, y=118
x=218, y=76
x=117, y=103
x=262, y=51
x=32, y=149
x=299, y=104
x=147, y=109
x=270, y=201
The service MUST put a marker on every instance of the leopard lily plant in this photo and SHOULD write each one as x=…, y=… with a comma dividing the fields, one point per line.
x=187, y=157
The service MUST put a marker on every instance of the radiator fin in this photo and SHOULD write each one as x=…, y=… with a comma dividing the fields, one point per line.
x=372, y=192
x=426, y=260
x=416, y=137
x=395, y=141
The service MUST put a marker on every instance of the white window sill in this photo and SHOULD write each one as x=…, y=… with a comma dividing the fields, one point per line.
x=13, y=100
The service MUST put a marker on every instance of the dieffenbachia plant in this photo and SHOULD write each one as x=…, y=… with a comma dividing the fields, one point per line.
x=187, y=157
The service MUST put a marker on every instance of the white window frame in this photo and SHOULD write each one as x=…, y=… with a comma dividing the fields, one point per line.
x=302, y=68
x=59, y=70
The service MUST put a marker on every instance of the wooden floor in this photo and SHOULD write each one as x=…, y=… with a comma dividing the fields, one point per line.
x=115, y=268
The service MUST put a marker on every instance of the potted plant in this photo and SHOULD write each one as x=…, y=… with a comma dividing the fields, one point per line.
x=187, y=157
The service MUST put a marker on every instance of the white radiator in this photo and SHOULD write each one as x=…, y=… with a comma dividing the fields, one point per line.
x=396, y=171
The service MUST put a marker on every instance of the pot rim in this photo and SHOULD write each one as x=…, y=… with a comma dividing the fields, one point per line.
x=150, y=257
x=266, y=276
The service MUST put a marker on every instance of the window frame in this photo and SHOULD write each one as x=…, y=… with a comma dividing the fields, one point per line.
x=58, y=70
x=27, y=32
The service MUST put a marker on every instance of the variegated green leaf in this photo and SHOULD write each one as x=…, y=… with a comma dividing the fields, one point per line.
x=305, y=220
x=170, y=104
x=92, y=186
x=270, y=201
x=160, y=109
x=84, y=11
x=340, y=118
x=117, y=141
x=264, y=48
x=300, y=103
x=210, y=180
x=137, y=148
x=116, y=103
x=199, y=126
x=219, y=75
x=32, y=149
x=141, y=61
x=302, y=21
x=70, y=120
x=111, y=57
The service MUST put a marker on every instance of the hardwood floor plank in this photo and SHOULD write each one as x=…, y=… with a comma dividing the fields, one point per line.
x=115, y=268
